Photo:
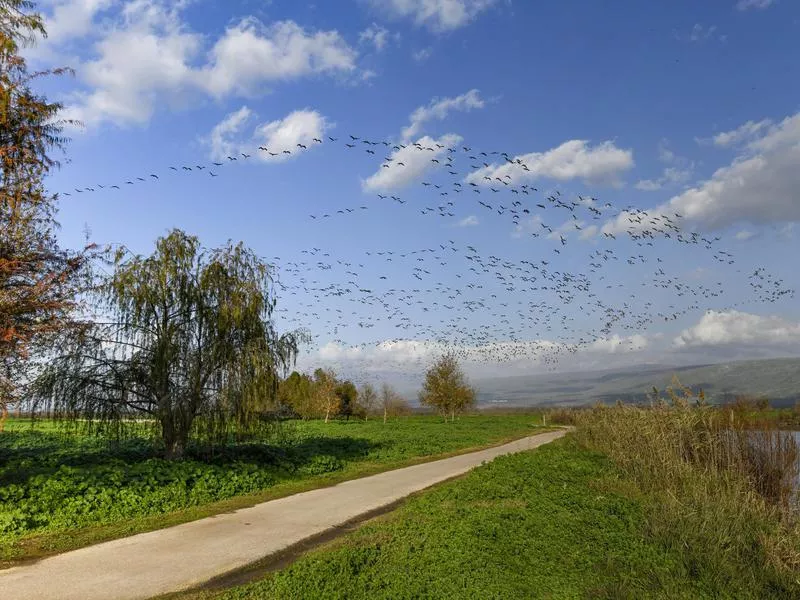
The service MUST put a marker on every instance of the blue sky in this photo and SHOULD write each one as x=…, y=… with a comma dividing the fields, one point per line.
x=688, y=107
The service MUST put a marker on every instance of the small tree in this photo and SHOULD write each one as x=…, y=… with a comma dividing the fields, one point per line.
x=296, y=393
x=446, y=389
x=348, y=399
x=325, y=392
x=392, y=403
x=368, y=399
x=191, y=335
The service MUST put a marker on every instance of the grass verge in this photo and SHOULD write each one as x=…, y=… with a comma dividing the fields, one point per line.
x=552, y=523
x=563, y=521
x=78, y=492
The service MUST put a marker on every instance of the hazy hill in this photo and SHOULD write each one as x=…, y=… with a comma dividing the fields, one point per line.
x=776, y=379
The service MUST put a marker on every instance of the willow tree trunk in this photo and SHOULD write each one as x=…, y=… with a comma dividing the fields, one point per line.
x=385, y=412
x=175, y=434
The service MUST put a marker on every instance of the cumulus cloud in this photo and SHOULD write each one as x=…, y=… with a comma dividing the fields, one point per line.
x=124, y=90
x=469, y=221
x=251, y=54
x=439, y=108
x=436, y=15
x=409, y=163
x=574, y=159
x=236, y=134
x=754, y=4
x=734, y=328
x=69, y=19
x=760, y=186
x=146, y=57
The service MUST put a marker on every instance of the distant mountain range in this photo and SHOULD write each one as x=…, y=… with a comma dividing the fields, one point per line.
x=776, y=379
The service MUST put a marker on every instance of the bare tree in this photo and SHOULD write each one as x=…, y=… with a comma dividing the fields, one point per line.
x=368, y=399
x=392, y=403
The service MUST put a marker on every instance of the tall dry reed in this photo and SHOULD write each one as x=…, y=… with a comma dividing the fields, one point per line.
x=720, y=488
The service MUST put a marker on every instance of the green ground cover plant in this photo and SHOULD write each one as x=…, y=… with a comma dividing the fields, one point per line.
x=60, y=490
x=557, y=522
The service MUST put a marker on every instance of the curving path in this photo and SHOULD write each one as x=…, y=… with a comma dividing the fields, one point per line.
x=180, y=557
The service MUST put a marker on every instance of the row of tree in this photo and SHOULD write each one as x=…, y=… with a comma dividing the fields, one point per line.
x=324, y=396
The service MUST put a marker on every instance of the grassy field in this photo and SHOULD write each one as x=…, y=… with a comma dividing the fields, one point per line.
x=558, y=522
x=60, y=491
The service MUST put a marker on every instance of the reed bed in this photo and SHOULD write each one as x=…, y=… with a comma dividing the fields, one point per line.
x=721, y=487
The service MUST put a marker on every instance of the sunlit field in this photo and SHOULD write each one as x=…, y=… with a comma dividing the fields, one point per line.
x=60, y=489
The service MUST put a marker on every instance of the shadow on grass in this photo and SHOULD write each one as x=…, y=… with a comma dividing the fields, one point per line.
x=24, y=454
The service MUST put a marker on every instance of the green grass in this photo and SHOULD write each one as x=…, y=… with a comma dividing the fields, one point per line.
x=557, y=522
x=60, y=491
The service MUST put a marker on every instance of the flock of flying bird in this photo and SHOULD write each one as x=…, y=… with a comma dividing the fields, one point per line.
x=492, y=309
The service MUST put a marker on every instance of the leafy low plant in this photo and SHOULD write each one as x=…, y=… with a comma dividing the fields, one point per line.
x=54, y=479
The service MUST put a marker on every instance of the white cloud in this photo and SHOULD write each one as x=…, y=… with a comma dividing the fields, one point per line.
x=744, y=235
x=574, y=159
x=760, y=186
x=678, y=170
x=224, y=133
x=738, y=328
x=756, y=4
x=71, y=19
x=528, y=226
x=439, y=108
x=251, y=54
x=743, y=133
x=146, y=57
x=617, y=344
x=437, y=15
x=700, y=33
x=228, y=137
x=422, y=55
x=649, y=185
x=469, y=221
x=409, y=353
x=670, y=176
x=415, y=163
x=126, y=90
x=376, y=35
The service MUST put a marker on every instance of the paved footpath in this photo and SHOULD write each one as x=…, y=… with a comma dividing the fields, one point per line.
x=183, y=556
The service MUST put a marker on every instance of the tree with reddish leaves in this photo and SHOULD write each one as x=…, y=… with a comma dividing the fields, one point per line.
x=40, y=282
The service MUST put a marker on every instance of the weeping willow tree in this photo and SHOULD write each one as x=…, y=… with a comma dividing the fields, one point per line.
x=190, y=346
